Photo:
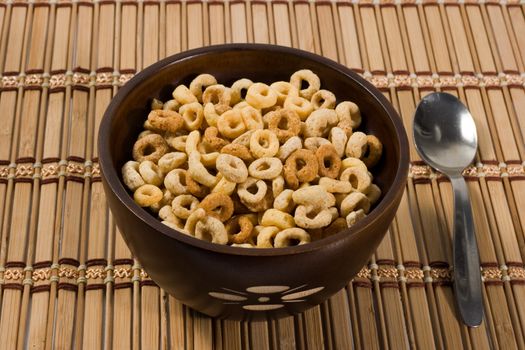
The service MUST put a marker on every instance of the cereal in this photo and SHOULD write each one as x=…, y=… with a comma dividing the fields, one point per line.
x=254, y=165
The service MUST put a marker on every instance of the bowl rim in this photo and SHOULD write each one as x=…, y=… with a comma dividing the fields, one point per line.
x=113, y=181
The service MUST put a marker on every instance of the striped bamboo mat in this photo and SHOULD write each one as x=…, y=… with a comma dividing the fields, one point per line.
x=67, y=280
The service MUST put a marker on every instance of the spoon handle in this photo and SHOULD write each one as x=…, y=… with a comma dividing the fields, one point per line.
x=467, y=274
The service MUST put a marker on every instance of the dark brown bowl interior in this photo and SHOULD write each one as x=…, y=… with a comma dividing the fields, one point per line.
x=266, y=63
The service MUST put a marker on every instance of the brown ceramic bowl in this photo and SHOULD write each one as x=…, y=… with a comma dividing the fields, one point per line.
x=240, y=283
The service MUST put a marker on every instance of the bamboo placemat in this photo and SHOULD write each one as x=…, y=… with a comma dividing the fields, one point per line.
x=67, y=280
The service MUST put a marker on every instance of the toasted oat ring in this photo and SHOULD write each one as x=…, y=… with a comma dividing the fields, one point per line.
x=375, y=148
x=277, y=185
x=293, y=144
x=286, y=237
x=212, y=139
x=284, y=201
x=177, y=142
x=283, y=90
x=328, y=161
x=248, y=198
x=237, y=90
x=172, y=160
x=336, y=226
x=354, y=217
x=335, y=186
x=300, y=166
x=150, y=147
x=210, y=114
x=193, y=115
x=167, y=197
x=183, y=205
x=171, y=105
x=374, y=193
x=144, y=133
x=147, y=195
x=320, y=122
x=266, y=168
x=354, y=201
x=313, y=196
x=200, y=83
x=195, y=188
x=183, y=95
x=275, y=217
x=218, y=205
x=266, y=236
x=166, y=214
x=285, y=123
x=314, y=83
x=175, y=181
x=238, y=150
x=212, y=230
x=323, y=99
x=131, y=175
x=349, y=116
x=264, y=143
x=303, y=217
x=241, y=105
x=358, y=178
x=193, y=219
x=162, y=120
x=299, y=105
x=156, y=104
x=313, y=143
x=230, y=124
x=244, y=139
x=352, y=162
x=338, y=139
x=261, y=96
x=239, y=229
x=224, y=186
x=252, y=118
x=232, y=168
x=198, y=172
x=217, y=94
x=151, y=173
x=357, y=145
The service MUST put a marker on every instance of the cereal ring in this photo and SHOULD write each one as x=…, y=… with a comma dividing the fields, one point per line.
x=314, y=196
x=242, y=245
x=165, y=120
x=238, y=150
x=280, y=219
x=182, y=206
x=252, y=192
x=307, y=217
x=299, y=105
x=373, y=194
x=167, y=197
x=232, y=168
x=288, y=237
x=328, y=161
x=200, y=83
x=171, y=161
x=183, y=95
x=224, y=186
x=264, y=143
x=252, y=118
x=175, y=181
x=151, y=173
x=217, y=94
x=218, y=205
x=241, y=105
x=198, y=172
x=166, y=214
x=174, y=226
x=212, y=230
x=266, y=236
x=156, y=104
x=290, y=146
x=338, y=139
x=306, y=75
x=277, y=185
x=349, y=116
x=323, y=99
x=210, y=114
x=357, y=145
x=336, y=226
x=193, y=115
x=177, y=142
x=283, y=90
x=171, y=105
x=147, y=195
x=211, y=138
x=284, y=201
x=230, y=124
x=239, y=229
x=261, y=96
x=193, y=219
x=150, y=147
x=358, y=178
x=300, y=166
x=131, y=175
x=285, y=123
x=354, y=201
x=313, y=143
x=144, y=133
x=265, y=168
x=320, y=122
x=239, y=89
x=335, y=186
x=373, y=154
x=351, y=162
x=193, y=144
x=244, y=139
x=354, y=217
x=194, y=188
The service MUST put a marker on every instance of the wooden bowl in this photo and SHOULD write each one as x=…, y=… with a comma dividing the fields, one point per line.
x=240, y=283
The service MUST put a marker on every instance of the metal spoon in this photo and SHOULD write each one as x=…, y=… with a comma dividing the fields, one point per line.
x=445, y=137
